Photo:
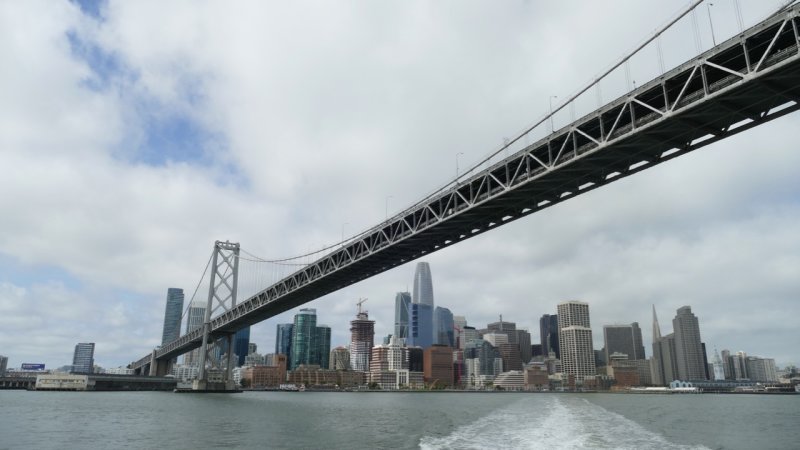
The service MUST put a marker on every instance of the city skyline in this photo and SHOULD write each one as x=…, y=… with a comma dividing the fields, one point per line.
x=502, y=351
x=111, y=210
x=196, y=309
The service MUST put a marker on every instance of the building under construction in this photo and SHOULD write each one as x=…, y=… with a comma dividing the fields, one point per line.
x=362, y=339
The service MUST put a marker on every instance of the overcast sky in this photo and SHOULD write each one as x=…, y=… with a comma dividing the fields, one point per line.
x=135, y=134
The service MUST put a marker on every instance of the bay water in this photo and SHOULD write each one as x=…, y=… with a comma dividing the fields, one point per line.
x=150, y=420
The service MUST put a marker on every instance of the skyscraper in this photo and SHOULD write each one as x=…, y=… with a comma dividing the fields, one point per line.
x=739, y=363
x=423, y=285
x=495, y=339
x=241, y=344
x=575, y=340
x=196, y=315
x=304, y=332
x=520, y=341
x=548, y=333
x=656, y=361
x=481, y=358
x=507, y=328
x=459, y=322
x=339, y=359
x=414, y=359
x=283, y=339
x=323, y=342
x=172, y=315
x=83, y=358
x=726, y=364
x=523, y=339
x=761, y=369
x=420, y=332
x=678, y=355
x=443, y=327
x=688, y=347
x=194, y=319
x=625, y=339
x=3, y=365
x=735, y=366
x=665, y=366
x=396, y=357
x=468, y=333
x=401, y=302
x=362, y=339
x=719, y=371
x=706, y=365
x=510, y=355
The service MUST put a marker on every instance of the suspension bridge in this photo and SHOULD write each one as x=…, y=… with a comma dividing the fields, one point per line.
x=738, y=84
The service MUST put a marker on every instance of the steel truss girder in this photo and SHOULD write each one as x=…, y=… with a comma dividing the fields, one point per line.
x=701, y=102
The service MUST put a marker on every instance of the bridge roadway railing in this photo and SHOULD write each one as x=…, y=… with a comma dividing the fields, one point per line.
x=741, y=83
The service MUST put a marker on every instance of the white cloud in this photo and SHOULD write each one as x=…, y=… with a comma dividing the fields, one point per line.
x=323, y=111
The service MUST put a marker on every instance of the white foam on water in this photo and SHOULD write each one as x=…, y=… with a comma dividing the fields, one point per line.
x=551, y=421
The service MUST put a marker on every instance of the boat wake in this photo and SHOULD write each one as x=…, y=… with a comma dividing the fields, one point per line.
x=553, y=422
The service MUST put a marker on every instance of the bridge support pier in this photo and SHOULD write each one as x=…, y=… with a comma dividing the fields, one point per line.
x=222, y=291
x=213, y=386
x=159, y=367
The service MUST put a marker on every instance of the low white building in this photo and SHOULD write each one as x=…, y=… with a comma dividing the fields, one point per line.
x=513, y=380
x=237, y=375
x=683, y=386
x=185, y=372
x=398, y=379
x=62, y=382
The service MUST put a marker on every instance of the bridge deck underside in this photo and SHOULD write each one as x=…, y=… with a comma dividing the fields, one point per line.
x=646, y=145
x=663, y=119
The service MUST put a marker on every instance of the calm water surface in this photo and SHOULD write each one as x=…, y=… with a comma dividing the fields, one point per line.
x=104, y=420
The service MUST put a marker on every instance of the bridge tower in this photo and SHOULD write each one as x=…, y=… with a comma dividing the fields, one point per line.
x=222, y=290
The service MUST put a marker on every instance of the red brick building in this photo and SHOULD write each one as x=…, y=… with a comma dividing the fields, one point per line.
x=437, y=365
x=265, y=376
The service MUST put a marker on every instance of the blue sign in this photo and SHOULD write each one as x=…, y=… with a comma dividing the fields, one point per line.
x=29, y=366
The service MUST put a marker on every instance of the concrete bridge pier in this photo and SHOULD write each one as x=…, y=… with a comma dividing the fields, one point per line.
x=159, y=367
x=214, y=385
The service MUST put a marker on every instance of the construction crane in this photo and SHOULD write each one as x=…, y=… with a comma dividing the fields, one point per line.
x=458, y=336
x=359, y=303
